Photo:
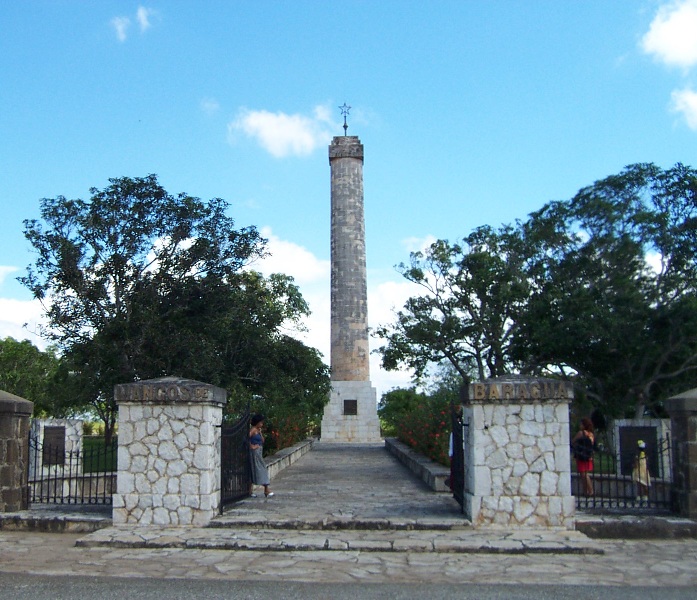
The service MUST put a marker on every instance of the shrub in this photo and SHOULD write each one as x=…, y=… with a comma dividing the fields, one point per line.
x=426, y=428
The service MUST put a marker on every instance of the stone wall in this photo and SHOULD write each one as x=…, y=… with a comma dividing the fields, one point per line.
x=72, y=461
x=433, y=474
x=517, y=458
x=14, y=452
x=683, y=420
x=169, y=452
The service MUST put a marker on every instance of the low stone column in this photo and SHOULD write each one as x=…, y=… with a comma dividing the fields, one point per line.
x=14, y=452
x=517, y=453
x=683, y=424
x=169, y=452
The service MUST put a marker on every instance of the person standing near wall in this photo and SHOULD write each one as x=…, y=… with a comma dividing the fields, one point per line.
x=583, y=445
x=640, y=474
x=260, y=474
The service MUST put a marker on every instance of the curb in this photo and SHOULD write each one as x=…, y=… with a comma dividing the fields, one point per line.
x=433, y=474
x=52, y=523
x=632, y=527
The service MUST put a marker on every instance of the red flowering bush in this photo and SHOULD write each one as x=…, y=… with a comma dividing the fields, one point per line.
x=426, y=428
x=283, y=429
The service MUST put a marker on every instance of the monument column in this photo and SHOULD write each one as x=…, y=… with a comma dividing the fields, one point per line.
x=351, y=415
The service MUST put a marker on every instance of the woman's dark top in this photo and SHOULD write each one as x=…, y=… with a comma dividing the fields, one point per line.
x=256, y=439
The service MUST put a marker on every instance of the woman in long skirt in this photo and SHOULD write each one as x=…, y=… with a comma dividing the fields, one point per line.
x=583, y=445
x=260, y=474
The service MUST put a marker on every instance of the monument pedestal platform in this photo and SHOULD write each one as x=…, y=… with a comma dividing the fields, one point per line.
x=351, y=415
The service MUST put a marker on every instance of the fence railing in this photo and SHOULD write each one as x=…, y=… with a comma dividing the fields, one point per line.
x=235, y=472
x=83, y=476
x=615, y=485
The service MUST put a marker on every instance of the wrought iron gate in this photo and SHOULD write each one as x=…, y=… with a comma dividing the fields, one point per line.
x=614, y=489
x=457, y=460
x=235, y=472
x=60, y=476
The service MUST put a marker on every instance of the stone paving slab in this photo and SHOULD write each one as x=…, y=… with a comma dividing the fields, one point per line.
x=626, y=563
x=349, y=484
x=496, y=541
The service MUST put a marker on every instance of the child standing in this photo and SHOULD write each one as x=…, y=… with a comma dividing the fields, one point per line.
x=640, y=473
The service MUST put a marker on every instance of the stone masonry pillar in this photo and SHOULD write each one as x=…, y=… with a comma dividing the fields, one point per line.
x=14, y=452
x=169, y=452
x=351, y=415
x=683, y=425
x=517, y=454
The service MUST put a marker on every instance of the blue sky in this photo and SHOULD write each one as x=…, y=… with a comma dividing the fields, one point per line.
x=471, y=113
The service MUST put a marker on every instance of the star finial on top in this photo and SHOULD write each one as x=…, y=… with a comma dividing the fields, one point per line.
x=345, y=111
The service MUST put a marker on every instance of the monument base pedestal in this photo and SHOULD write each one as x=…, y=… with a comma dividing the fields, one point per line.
x=352, y=414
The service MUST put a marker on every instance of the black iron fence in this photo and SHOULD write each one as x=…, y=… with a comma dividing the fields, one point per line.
x=86, y=475
x=615, y=480
x=235, y=472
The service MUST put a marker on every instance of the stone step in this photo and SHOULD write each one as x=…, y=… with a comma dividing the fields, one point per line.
x=240, y=521
x=285, y=540
x=55, y=521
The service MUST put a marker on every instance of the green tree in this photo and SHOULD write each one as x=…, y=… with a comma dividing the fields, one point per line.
x=29, y=373
x=138, y=283
x=600, y=289
x=613, y=280
x=394, y=405
x=473, y=293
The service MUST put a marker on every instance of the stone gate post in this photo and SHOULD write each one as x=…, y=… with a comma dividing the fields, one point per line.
x=169, y=452
x=683, y=424
x=517, y=453
x=14, y=452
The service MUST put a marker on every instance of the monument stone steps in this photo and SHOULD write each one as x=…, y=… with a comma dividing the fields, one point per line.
x=491, y=541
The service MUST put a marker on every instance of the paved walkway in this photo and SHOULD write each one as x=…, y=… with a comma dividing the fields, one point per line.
x=341, y=497
x=356, y=485
x=351, y=515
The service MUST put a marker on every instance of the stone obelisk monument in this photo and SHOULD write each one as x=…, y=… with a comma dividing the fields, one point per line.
x=351, y=415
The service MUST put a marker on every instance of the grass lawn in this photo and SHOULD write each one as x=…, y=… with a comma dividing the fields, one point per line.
x=98, y=458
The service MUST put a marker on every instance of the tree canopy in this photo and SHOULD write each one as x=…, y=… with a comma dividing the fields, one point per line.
x=600, y=289
x=138, y=283
x=474, y=291
x=614, y=274
x=30, y=373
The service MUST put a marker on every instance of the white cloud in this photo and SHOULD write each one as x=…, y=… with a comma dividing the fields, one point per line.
x=672, y=35
x=121, y=25
x=143, y=16
x=384, y=299
x=282, y=134
x=292, y=259
x=21, y=319
x=210, y=106
x=312, y=275
x=5, y=271
x=416, y=244
x=684, y=102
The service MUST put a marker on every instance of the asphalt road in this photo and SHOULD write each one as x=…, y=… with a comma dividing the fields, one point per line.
x=15, y=586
